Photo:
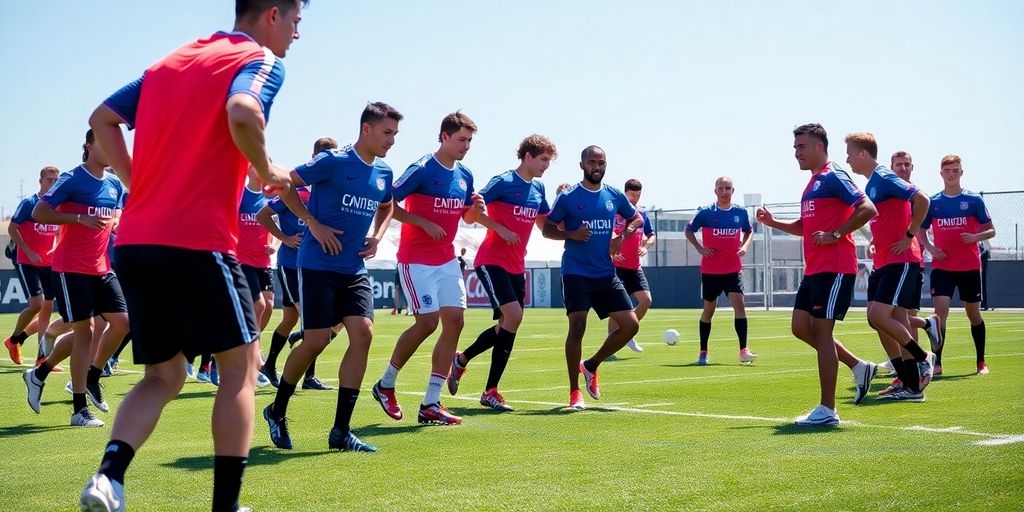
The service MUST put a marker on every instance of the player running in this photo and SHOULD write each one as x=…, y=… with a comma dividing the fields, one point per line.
x=627, y=262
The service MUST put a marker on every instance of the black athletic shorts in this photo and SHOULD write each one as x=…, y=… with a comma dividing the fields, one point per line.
x=713, y=285
x=183, y=300
x=916, y=303
x=967, y=281
x=604, y=294
x=289, y=278
x=826, y=295
x=259, y=280
x=896, y=285
x=502, y=287
x=328, y=297
x=633, y=280
x=83, y=296
x=35, y=280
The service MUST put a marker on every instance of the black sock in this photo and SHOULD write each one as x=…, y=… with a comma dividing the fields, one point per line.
x=333, y=335
x=227, y=482
x=591, y=367
x=916, y=351
x=346, y=403
x=899, y=368
x=499, y=357
x=116, y=459
x=913, y=381
x=741, y=331
x=938, y=353
x=285, y=390
x=124, y=343
x=978, y=333
x=19, y=338
x=277, y=342
x=93, y=377
x=705, y=333
x=77, y=402
x=43, y=370
x=311, y=369
x=204, y=362
x=484, y=341
x=927, y=323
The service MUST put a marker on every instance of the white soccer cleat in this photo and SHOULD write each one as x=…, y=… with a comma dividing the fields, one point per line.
x=35, y=390
x=634, y=346
x=934, y=332
x=863, y=374
x=84, y=418
x=747, y=357
x=820, y=416
x=102, y=494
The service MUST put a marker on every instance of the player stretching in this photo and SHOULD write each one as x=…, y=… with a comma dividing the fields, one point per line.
x=199, y=115
x=831, y=208
x=515, y=203
x=587, y=214
x=725, y=239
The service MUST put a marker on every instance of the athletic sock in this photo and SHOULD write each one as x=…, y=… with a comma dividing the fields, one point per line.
x=346, y=403
x=204, y=361
x=116, y=459
x=43, y=370
x=938, y=353
x=705, y=333
x=311, y=369
x=499, y=357
x=77, y=402
x=916, y=351
x=899, y=368
x=978, y=333
x=390, y=376
x=93, y=377
x=486, y=340
x=913, y=381
x=19, y=338
x=227, y=482
x=433, y=394
x=741, y=332
x=285, y=390
x=590, y=366
x=277, y=342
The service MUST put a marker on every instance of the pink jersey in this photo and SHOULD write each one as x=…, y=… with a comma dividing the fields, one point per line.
x=949, y=218
x=827, y=203
x=439, y=195
x=514, y=203
x=891, y=195
x=722, y=231
x=631, y=245
x=253, y=238
x=82, y=249
x=41, y=238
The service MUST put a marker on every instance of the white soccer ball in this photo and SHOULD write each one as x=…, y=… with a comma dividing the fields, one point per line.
x=671, y=337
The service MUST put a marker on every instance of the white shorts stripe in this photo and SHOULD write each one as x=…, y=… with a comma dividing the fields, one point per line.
x=236, y=303
x=67, y=298
x=903, y=278
x=832, y=295
x=302, y=312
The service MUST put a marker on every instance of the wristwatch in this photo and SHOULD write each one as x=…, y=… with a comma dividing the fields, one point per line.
x=836, y=234
x=910, y=235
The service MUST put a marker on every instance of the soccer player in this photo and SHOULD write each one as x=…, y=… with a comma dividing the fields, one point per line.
x=725, y=239
x=958, y=220
x=831, y=209
x=36, y=243
x=290, y=233
x=438, y=191
x=86, y=202
x=199, y=116
x=897, y=264
x=255, y=246
x=587, y=214
x=627, y=262
x=516, y=202
x=350, y=188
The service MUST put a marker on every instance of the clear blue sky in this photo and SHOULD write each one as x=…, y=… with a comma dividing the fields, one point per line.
x=676, y=92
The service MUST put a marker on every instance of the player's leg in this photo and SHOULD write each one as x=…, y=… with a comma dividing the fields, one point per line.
x=289, y=319
x=969, y=283
x=609, y=299
x=739, y=308
x=828, y=359
x=573, y=354
x=711, y=286
x=452, y=322
x=30, y=282
x=357, y=314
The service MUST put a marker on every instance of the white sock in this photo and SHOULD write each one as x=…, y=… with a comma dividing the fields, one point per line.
x=390, y=376
x=433, y=394
x=859, y=367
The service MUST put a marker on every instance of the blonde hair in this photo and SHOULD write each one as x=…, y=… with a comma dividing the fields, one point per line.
x=949, y=160
x=865, y=141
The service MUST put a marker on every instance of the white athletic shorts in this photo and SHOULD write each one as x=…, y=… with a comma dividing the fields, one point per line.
x=428, y=288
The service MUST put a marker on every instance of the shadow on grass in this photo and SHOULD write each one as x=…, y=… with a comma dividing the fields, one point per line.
x=377, y=430
x=561, y=411
x=258, y=456
x=790, y=429
x=694, y=364
x=15, y=369
x=26, y=429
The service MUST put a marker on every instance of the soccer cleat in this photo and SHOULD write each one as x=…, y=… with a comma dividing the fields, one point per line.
x=114, y=362
x=591, y=381
x=312, y=382
x=214, y=374
x=102, y=494
x=862, y=379
x=13, y=350
x=634, y=346
x=271, y=374
x=347, y=442
x=982, y=368
x=926, y=368
x=887, y=366
x=95, y=394
x=107, y=371
x=491, y=398
x=576, y=400
x=68, y=389
x=203, y=376
x=387, y=400
x=612, y=358
x=937, y=372
x=84, y=418
x=278, y=428
x=907, y=395
x=747, y=357
x=455, y=374
x=294, y=338
x=702, y=358
x=820, y=416
x=934, y=333
x=262, y=380
x=436, y=414
x=897, y=385
x=35, y=390
x=190, y=371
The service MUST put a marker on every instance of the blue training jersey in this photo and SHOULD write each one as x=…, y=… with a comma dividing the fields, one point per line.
x=290, y=224
x=576, y=206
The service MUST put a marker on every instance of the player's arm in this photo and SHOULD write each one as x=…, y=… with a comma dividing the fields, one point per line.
x=793, y=227
x=540, y=221
x=692, y=238
x=266, y=219
x=648, y=242
x=106, y=120
x=433, y=230
x=473, y=212
x=326, y=235
x=863, y=211
x=919, y=204
x=506, y=234
x=988, y=231
x=553, y=231
x=12, y=230
x=44, y=213
x=247, y=125
x=748, y=237
x=381, y=220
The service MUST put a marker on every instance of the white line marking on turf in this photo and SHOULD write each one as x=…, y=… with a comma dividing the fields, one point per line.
x=658, y=404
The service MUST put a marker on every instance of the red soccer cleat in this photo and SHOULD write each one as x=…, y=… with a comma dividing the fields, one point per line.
x=14, y=350
x=436, y=414
x=591, y=378
x=388, y=402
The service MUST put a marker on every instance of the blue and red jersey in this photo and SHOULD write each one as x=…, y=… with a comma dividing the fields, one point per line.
x=722, y=231
x=438, y=194
x=631, y=245
x=577, y=206
x=82, y=249
x=827, y=203
x=514, y=203
x=290, y=224
x=949, y=217
x=253, y=238
x=891, y=195
x=41, y=238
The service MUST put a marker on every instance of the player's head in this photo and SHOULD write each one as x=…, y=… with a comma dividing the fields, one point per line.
x=951, y=170
x=47, y=177
x=456, y=135
x=323, y=144
x=632, y=190
x=272, y=23
x=91, y=152
x=378, y=126
x=723, y=189
x=902, y=164
x=536, y=153
x=862, y=152
x=811, y=144
x=593, y=162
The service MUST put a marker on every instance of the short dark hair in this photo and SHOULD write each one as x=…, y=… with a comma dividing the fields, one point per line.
x=587, y=150
x=378, y=111
x=454, y=122
x=89, y=139
x=323, y=144
x=815, y=130
x=246, y=9
x=49, y=169
x=633, y=185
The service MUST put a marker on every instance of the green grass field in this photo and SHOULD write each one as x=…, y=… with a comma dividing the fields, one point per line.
x=667, y=434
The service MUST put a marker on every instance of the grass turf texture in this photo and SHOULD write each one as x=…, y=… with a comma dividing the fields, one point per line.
x=667, y=434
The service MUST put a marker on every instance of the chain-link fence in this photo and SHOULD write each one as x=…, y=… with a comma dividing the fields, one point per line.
x=1007, y=211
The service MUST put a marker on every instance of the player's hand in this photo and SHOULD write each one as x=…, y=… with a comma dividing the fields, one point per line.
x=507, y=235
x=582, y=234
x=642, y=251
x=561, y=187
x=327, y=236
x=31, y=255
x=615, y=246
x=478, y=201
x=369, y=248
x=937, y=254
x=434, y=231
x=871, y=250
x=91, y=221
x=765, y=217
x=896, y=248
x=276, y=180
x=969, y=238
x=704, y=251
x=270, y=249
x=823, y=238
x=618, y=257
x=293, y=241
x=741, y=252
